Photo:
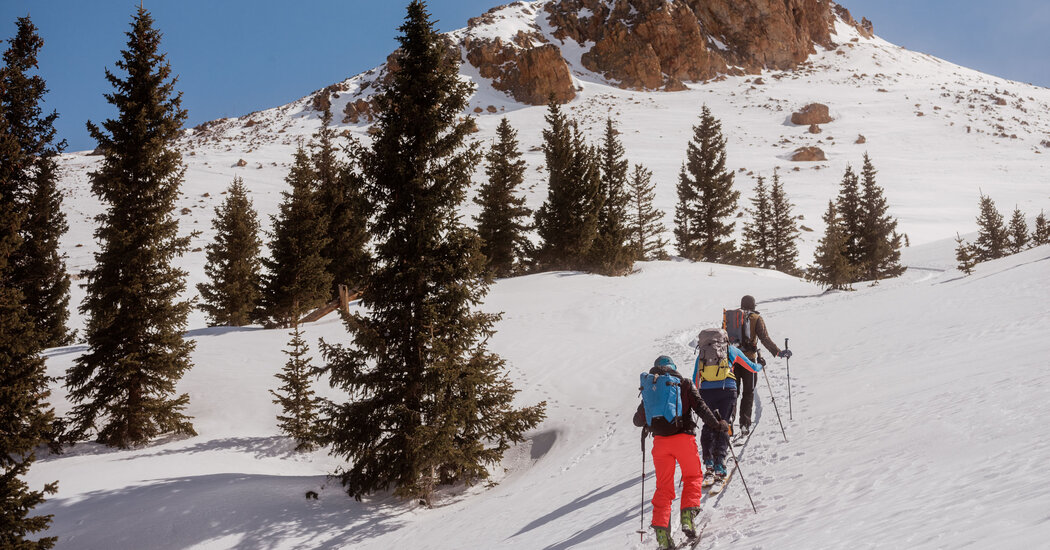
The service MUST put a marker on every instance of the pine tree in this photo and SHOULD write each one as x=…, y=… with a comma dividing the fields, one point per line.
x=297, y=277
x=39, y=270
x=429, y=404
x=1018, y=232
x=706, y=198
x=567, y=223
x=231, y=297
x=298, y=403
x=501, y=223
x=136, y=351
x=26, y=420
x=880, y=243
x=783, y=231
x=644, y=221
x=610, y=254
x=964, y=255
x=344, y=209
x=1041, y=235
x=993, y=239
x=831, y=268
x=850, y=212
x=757, y=249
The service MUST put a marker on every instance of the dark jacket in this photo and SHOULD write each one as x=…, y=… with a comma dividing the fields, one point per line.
x=758, y=332
x=691, y=402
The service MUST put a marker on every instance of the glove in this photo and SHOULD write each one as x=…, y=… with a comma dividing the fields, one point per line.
x=761, y=360
x=785, y=354
x=724, y=426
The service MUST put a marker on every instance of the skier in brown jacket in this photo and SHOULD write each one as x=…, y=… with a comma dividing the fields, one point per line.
x=750, y=328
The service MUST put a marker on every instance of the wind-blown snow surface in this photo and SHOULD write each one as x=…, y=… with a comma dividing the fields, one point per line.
x=917, y=406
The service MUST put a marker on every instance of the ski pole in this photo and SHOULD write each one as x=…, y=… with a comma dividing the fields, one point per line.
x=771, y=396
x=641, y=509
x=736, y=464
x=787, y=360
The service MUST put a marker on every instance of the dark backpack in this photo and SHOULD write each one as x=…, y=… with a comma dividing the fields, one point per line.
x=737, y=324
x=662, y=401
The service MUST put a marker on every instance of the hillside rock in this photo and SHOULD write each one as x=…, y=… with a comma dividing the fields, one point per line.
x=644, y=44
x=814, y=113
x=808, y=154
x=530, y=74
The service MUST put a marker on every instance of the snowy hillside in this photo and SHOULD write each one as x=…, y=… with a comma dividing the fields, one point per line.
x=917, y=404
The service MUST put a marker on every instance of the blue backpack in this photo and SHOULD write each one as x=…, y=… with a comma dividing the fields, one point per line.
x=662, y=400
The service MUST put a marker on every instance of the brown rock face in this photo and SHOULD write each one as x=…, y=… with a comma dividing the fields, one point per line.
x=356, y=111
x=808, y=154
x=645, y=43
x=530, y=74
x=814, y=113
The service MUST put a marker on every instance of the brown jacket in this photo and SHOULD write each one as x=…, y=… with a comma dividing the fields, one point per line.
x=758, y=332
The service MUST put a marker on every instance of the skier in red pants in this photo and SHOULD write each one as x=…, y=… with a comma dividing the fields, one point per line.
x=675, y=442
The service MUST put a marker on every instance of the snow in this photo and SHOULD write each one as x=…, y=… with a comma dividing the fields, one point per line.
x=917, y=404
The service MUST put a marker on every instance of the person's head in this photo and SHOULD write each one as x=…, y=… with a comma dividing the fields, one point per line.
x=747, y=302
x=664, y=361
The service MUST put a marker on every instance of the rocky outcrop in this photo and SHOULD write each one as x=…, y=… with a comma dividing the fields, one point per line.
x=814, y=113
x=357, y=111
x=808, y=154
x=649, y=43
x=526, y=68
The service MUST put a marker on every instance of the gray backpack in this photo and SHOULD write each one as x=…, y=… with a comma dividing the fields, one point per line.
x=713, y=346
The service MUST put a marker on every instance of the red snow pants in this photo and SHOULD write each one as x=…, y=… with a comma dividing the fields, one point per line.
x=667, y=450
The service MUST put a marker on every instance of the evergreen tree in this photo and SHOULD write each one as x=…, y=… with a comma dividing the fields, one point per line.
x=758, y=248
x=344, y=209
x=880, y=243
x=39, y=270
x=501, y=223
x=643, y=220
x=136, y=351
x=706, y=198
x=783, y=231
x=429, y=404
x=610, y=254
x=1041, y=235
x=26, y=420
x=964, y=255
x=298, y=403
x=231, y=297
x=831, y=268
x=1018, y=232
x=567, y=223
x=993, y=239
x=850, y=212
x=296, y=278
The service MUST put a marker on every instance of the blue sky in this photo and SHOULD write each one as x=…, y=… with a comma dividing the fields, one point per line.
x=238, y=56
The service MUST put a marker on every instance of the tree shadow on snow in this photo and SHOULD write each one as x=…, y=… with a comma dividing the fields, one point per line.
x=259, y=447
x=580, y=503
x=218, y=331
x=237, y=511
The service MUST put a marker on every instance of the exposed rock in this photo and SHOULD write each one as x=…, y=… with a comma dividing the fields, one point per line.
x=479, y=110
x=759, y=82
x=814, y=129
x=865, y=27
x=814, y=113
x=861, y=139
x=808, y=154
x=530, y=74
x=355, y=111
x=241, y=163
x=492, y=109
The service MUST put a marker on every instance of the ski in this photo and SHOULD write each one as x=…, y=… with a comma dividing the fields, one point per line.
x=693, y=542
x=718, y=485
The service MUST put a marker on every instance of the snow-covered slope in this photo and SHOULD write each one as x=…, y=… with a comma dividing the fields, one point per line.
x=916, y=403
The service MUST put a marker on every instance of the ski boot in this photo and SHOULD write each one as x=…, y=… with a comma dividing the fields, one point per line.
x=709, y=472
x=689, y=516
x=720, y=472
x=663, y=537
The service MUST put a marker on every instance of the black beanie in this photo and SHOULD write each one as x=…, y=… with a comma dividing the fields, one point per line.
x=747, y=302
